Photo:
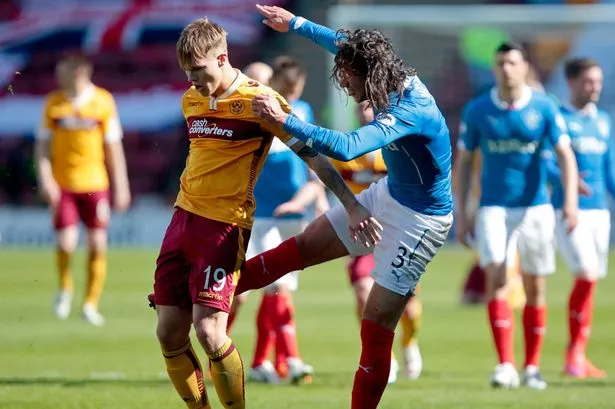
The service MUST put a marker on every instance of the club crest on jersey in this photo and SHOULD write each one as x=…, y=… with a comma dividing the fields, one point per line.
x=385, y=119
x=603, y=127
x=237, y=107
x=532, y=119
x=575, y=127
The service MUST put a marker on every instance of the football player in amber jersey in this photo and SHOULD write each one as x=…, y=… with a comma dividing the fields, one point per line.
x=359, y=173
x=80, y=131
x=204, y=247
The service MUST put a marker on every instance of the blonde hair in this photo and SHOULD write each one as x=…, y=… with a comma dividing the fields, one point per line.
x=200, y=39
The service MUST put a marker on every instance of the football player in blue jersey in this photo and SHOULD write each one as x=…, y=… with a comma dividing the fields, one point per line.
x=283, y=191
x=585, y=251
x=512, y=124
x=413, y=203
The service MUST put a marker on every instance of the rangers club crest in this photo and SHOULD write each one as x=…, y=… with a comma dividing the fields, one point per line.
x=603, y=127
x=532, y=119
x=237, y=107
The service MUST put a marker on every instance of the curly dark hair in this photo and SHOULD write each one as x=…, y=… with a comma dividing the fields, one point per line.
x=370, y=55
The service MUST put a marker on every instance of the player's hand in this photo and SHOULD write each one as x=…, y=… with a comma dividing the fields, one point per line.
x=50, y=192
x=569, y=215
x=276, y=17
x=290, y=207
x=268, y=108
x=363, y=227
x=121, y=200
x=584, y=189
x=464, y=232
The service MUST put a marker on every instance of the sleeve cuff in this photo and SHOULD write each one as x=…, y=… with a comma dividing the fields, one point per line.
x=296, y=22
x=113, y=131
x=42, y=134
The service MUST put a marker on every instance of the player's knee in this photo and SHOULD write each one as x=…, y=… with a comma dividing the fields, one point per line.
x=97, y=241
x=171, y=334
x=67, y=239
x=211, y=332
x=535, y=289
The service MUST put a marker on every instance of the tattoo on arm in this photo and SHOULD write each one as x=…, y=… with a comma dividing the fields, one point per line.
x=328, y=174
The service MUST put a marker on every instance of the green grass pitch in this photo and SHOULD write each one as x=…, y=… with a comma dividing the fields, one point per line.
x=68, y=365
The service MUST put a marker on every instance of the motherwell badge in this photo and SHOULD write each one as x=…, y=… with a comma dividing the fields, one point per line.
x=237, y=107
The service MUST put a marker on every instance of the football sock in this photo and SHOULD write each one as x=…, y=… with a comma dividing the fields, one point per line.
x=285, y=325
x=580, y=314
x=534, y=326
x=267, y=267
x=97, y=273
x=264, y=331
x=186, y=374
x=62, y=262
x=227, y=373
x=371, y=378
x=410, y=324
x=501, y=321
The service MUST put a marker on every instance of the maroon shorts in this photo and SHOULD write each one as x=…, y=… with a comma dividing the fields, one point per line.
x=200, y=262
x=91, y=208
x=360, y=267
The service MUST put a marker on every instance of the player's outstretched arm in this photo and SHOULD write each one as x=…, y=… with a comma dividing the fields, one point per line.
x=343, y=146
x=282, y=20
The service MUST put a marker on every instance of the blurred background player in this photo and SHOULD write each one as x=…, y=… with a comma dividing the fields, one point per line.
x=79, y=134
x=283, y=192
x=585, y=250
x=512, y=124
x=359, y=174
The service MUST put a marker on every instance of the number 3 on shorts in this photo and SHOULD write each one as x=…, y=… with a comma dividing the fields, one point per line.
x=218, y=277
x=399, y=260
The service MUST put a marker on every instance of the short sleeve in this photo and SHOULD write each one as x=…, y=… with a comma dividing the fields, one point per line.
x=112, y=128
x=469, y=135
x=557, y=131
x=278, y=131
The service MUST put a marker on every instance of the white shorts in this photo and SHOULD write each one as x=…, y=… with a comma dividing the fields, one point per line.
x=530, y=229
x=586, y=248
x=409, y=240
x=269, y=233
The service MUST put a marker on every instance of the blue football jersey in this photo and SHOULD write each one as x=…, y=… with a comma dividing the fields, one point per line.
x=283, y=172
x=511, y=140
x=412, y=132
x=590, y=137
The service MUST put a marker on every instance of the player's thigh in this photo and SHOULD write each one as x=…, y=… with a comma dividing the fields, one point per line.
x=94, y=209
x=536, y=241
x=410, y=241
x=492, y=235
x=172, y=274
x=602, y=236
x=216, y=251
x=65, y=214
x=320, y=243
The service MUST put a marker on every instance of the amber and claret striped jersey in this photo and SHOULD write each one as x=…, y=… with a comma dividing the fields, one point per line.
x=228, y=146
x=77, y=130
x=359, y=173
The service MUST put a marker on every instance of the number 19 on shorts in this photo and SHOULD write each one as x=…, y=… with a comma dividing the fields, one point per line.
x=216, y=278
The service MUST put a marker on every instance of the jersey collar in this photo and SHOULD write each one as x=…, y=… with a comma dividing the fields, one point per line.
x=521, y=103
x=83, y=97
x=213, y=102
x=590, y=110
